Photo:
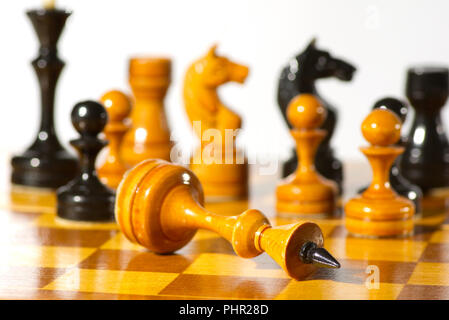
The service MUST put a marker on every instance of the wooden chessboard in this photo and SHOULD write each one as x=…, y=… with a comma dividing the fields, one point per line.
x=44, y=258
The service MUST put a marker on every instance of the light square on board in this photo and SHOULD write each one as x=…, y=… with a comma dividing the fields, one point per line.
x=41, y=256
x=57, y=237
x=404, y=250
x=231, y=265
x=26, y=277
x=225, y=287
x=440, y=236
x=360, y=271
x=112, y=281
x=207, y=242
x=8, y=218
x=132, y=260
x=120, y=242
x=52, y=221
x=428, y=273
x=331, y=290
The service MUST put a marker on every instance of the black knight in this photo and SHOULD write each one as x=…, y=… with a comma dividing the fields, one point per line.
x=299, y=77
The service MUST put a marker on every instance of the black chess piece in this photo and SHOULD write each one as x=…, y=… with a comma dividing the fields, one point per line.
x=425, y=161
x=299, y=77
x=399, y=183
x=85, y=198
x=46, y=164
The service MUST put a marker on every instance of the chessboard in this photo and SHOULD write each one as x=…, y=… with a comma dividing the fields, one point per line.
x=46, y=258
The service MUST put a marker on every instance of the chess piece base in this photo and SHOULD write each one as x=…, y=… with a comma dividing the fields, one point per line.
x=222, y=181
x=405, y=189
x=436, y=201
x=304, y=199
x=36, y=169
x=378, y=218
x=32, y=199
x=75, y=202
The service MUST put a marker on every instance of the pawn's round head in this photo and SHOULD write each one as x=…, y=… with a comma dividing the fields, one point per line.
x=381, y=127
x=89, y=117
x=400, y=108
x=306, y=111
x=117, y=104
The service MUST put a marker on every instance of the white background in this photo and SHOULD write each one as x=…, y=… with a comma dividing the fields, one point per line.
x=381, y=38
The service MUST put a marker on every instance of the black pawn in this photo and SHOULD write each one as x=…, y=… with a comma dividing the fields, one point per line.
x=398, y=182
x=85, y=198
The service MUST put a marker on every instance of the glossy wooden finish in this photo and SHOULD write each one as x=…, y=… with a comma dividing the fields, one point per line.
x=46, y=164
x=149, y=136
x=398, y=182
x=30, y=199
x=380, y=211
x=49, y=4
x=299, y=76
x=118, y=107
x=45, y=258
x=160, y=206
x=85, y=198
x=220, y=166
x=306, y=191
x=425, y=161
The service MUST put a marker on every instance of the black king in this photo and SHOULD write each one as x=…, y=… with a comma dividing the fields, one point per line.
x=46, y=164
